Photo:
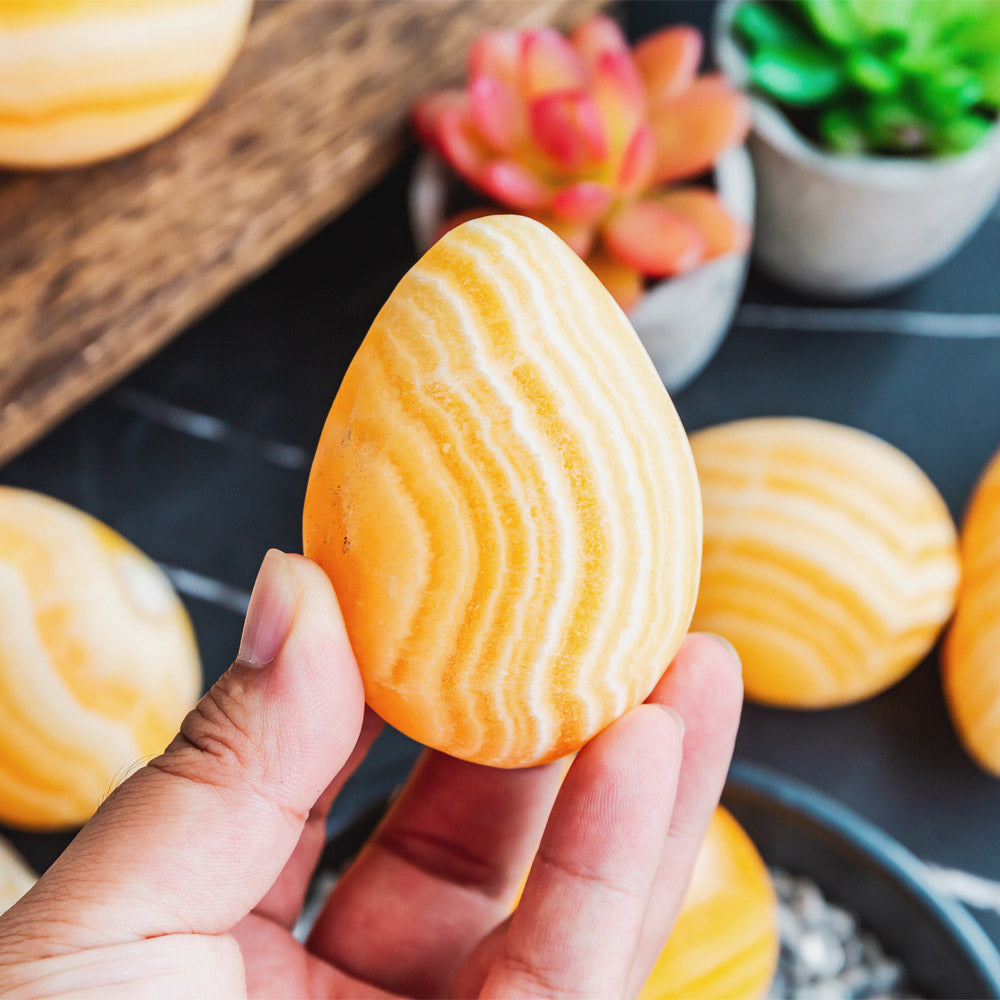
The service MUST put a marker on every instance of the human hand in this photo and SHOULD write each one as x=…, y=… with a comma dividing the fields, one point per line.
x=189, y=878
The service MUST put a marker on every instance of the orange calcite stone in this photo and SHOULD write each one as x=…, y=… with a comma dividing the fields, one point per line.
x=830, y=560
x=82, y=80
x=505, y=501
x=971, y=660
x=98, y=663
x=725, y=942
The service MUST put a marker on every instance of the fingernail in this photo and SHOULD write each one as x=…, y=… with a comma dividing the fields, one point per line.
x=272, y=607
x=730, y=648
x=673, y=713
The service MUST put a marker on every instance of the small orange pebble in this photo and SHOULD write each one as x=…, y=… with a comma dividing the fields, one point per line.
x=82, y=80
x=16, y=878
x=505, y=501
x=971, y=654
x=830, y=560
x=725, y=942
x=98, y=663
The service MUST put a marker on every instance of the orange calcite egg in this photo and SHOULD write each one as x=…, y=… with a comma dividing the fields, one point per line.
x=971, y=660
x=505, y=501
x=98, y=663
x=16, y=878
x=830, y=559
x=82, y=80
x=725, y=942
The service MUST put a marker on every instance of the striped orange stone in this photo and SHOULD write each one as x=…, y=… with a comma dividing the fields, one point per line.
x=725, y=942
x=830, y=559
x=81, y=80
x=98, y=663
x=971, y=660
x=505, y=501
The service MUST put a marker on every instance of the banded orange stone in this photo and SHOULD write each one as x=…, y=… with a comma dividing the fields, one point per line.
x=971, y=660
x=725, y=942
x=81, y=80
x=830, y=560
x=505, y=501
x=98, y=662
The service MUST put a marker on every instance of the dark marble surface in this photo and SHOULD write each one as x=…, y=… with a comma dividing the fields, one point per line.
x=266, y=364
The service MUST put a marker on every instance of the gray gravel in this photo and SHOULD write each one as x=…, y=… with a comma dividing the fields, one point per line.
x=825, y=953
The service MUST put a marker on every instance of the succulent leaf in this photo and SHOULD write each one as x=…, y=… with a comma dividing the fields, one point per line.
x=950, y=93
x=515, y=185
x=496, y=110
x=990, y=76
x=961, y=134
x=870, y=73
x=843, y=131
x=834, y=20
x=584, y=201
x=567, y=126
x=579, y=236
x=653, y=239
x=428, y=111
x=691, y=132
x=668, y=62
x=638, y=163
x=496, y=54
x=549, y=63
x=596, y=36
x=620, y=96
x=800, y=75
x=896, y=126
x=721, y=232
x=623, y=282
x=763, y=25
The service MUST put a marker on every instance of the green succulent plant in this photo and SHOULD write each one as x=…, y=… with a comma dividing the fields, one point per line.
x=913, y=77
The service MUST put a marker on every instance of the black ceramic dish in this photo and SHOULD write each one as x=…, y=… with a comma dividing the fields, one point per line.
x=945, y=952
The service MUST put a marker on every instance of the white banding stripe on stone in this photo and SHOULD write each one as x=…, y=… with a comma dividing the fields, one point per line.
x=209, y=428
x=205, y=588
x=817, y=319
x=973, y=890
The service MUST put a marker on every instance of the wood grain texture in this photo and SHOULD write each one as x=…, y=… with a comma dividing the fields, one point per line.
x=101, y=266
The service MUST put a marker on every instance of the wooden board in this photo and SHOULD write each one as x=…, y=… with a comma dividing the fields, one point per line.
x=99, y=267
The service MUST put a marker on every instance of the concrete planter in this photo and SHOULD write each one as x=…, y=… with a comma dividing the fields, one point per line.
x=681, y=321
x=854, y=226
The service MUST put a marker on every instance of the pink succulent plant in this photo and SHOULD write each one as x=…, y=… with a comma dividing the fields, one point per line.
x=591, y=138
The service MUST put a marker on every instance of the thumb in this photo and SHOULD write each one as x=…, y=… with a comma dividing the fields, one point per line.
x=192, y=841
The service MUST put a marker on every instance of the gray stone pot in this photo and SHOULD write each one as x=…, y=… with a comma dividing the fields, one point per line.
x=680, y=321
x=854, y=226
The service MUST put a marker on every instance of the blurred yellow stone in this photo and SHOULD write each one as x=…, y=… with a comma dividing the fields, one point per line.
x=971, y=660
x=98, y=662
x=830, y=560
x=82, y=80
x=725, y=942
x=16, y=878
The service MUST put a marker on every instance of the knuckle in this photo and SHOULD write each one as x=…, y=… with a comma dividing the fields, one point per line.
x=591, y=878
x=215, y=739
